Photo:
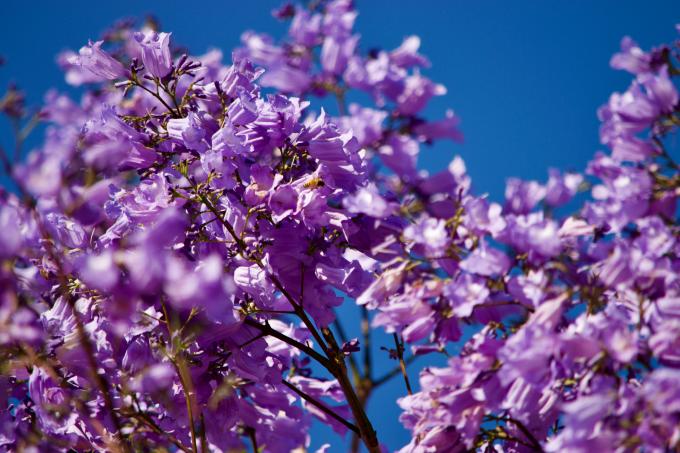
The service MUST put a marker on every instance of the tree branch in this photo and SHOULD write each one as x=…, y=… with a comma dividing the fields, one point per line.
x=320, y=405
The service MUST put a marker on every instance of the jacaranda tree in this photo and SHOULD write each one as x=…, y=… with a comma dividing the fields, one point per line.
x=172, y=257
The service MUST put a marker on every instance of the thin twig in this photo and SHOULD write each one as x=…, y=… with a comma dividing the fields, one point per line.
x=368, y=434
x=277, y=283
x=402, y=365
x=352, y=363
x=366, y=332
x=100, y=380
x=530, y=437
x=184, y=379
x=394, y=372
x=253, y=440
x=268, y=330
x=335, y=363
x=321, y=406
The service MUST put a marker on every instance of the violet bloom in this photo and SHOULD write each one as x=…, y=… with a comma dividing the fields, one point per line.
x=305, y=27
x=52, y=405
x=631, y=58
x=10, y=233
x=406, y=55
x=522, y=196
x=242, y=210
x=99, y=63
x=561, y=188
x=464, y=293
x=400, y=154
x=155, y=50
x=189, y=130
x=367, y=200
x=418, y=91
x=487, y=261
x=437, y=130
x=366, y=124
x=429, y=233
x=336, y=52
x=100, y=271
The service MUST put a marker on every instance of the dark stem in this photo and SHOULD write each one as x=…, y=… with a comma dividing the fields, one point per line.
x=335, y=363
x=184, y=379
x=402, y=365
x=148, y=421
x=277, y=283
x=100, y=381
x=394, y=372
x=352, y=363
x=534, y=443
x=530, y=437
x=321, y=406
x=253, y=439
x=158, y=97
x=368, y=434
x=366, y=332
x=268, y=330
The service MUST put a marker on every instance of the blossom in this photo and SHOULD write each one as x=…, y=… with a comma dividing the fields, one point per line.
x=93, y=59
x=430, y=233
x=177, y=257
x=155, y=50
x=631, y=58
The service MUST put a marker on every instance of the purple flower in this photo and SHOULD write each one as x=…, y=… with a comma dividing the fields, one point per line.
x=10, y=231
x=283, y=202
x=522, y=196
x=155, y=50
x=305, y=28
x=406, y=55
x=486, y=261
x=436, y=130
x=366, y=124
x=190, y=130
x=196, y=257
x=97, y=62
x=532, y=234
x=287, y=79
x=52, y=403
x=400, y=154
x=430, y=234
x=335, y=53
x=100, y=271
x=367, y=200
x=417, y=92
x=466, y=292
x=631, y=58
x=561, y=188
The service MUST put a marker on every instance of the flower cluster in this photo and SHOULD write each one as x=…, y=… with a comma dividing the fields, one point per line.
x=172, y=258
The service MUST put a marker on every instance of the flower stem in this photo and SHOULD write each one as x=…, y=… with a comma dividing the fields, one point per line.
x=320, y=405
x=402, y=365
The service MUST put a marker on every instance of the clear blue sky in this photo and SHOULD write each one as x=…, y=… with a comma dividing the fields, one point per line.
x=526, y=76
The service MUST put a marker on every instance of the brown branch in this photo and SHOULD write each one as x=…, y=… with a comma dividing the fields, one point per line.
x=184, y=379
x=530, y=437
x=277, y=283
x=352, y=363
x=368, y=434
x=366, y=332
x=399, y=343
x=321, y=406
x=394, y=372
x=253, y=440
x=335, y=362
x=148, y=421
x=268, y=330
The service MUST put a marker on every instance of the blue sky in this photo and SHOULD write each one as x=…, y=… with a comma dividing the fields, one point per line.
x=525, y=76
